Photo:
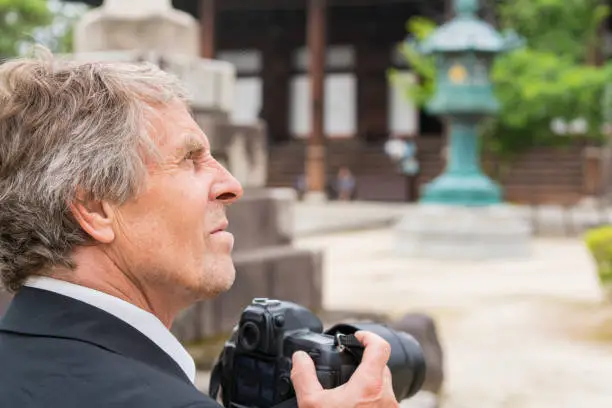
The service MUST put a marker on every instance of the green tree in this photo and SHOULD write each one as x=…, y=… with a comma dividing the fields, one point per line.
x=58, y=36
x=424, y=66
x=555, y=75
x=24, y=23
x=564, y=27
x=18, y=21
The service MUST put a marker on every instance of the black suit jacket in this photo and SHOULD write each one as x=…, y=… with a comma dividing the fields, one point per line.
x=58, y=352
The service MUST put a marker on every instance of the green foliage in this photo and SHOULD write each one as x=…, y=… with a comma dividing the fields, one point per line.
x=553, y=76
x=24, y=23
x=534, y=87
x=18, y=20
x=424, y=66
x=563, y=27
x=599, y=243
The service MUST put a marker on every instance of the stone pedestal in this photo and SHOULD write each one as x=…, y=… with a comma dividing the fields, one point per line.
x=470, y=233
x=462, y=183
x=315, y=197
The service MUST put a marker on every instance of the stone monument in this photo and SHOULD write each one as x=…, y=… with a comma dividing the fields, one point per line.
x=137, y=25
x=461, y=213
x=267, y=263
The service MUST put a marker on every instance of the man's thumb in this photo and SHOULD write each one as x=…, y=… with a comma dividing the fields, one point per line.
x=304, y=375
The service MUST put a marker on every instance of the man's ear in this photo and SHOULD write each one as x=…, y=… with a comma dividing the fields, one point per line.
x=95, y=217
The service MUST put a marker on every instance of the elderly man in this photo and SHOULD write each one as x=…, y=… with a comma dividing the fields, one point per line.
x=112, y=220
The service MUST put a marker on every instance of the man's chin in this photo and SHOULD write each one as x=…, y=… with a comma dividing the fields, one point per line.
x=227, y=285
x=222, y=284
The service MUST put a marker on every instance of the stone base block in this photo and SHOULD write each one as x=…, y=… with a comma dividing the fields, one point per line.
x=283, y=273
x=473, y=233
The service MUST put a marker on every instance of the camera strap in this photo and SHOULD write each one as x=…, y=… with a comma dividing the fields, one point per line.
x=215, y=380
x=350, y=344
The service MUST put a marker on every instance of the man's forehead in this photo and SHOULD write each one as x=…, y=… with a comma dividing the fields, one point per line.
x=176, y=127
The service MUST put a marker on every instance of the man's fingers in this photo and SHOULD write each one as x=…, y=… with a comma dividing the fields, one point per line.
x=368, y=376
x=304, y=376
x=388, y=381
x=376, y=354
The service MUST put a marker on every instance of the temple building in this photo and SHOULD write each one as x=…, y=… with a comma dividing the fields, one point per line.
x=316, y=71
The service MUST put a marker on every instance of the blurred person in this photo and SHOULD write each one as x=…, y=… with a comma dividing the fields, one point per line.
x=345, y=184
x=112, y=217
x=300, y=186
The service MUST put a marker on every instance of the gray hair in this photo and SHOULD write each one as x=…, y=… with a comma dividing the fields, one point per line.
x=69, y=128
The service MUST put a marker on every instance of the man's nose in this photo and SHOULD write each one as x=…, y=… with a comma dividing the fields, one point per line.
x=227, y=188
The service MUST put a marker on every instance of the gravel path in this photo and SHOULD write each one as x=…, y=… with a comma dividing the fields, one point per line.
x=517, y=334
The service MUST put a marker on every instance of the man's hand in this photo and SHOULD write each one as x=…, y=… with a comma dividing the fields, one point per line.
x=369, y=387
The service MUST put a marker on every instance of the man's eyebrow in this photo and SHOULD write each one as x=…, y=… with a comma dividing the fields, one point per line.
x=191, y=143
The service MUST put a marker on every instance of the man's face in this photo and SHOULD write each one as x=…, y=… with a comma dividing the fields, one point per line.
x=171, y=239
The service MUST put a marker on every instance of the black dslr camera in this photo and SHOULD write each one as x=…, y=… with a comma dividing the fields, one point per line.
x=254, y=367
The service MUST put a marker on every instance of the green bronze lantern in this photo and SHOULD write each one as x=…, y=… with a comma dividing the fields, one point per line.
x=464, y=51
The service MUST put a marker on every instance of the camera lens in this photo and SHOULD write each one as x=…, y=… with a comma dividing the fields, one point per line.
x=249, y=336
x=407, y=361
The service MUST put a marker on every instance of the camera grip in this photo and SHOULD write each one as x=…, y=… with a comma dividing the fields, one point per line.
x=327, y=378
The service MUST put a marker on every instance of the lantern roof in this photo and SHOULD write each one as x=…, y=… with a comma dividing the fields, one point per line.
x=466, y=32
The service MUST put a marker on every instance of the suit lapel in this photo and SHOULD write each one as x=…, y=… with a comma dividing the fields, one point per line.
x=42, y=313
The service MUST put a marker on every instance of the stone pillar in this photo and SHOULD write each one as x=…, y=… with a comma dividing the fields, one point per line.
x=208, y=15
x=276, y=74
x=372, y=91
x=449, y=11
x=315, y=154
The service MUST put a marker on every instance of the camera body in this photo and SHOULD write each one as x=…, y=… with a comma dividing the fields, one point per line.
x=257, y=358
x=254, y=368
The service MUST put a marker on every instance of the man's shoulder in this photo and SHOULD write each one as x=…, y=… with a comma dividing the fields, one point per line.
x=69, y=373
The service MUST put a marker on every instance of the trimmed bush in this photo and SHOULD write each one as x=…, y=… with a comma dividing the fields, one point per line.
x=599, y=242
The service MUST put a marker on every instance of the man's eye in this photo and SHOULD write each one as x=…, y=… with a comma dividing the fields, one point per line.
x=193, y=155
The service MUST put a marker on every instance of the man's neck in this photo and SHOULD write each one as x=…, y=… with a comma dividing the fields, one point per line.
x=96, y=270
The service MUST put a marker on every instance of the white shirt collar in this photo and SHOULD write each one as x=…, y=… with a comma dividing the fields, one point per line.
x=143, y=321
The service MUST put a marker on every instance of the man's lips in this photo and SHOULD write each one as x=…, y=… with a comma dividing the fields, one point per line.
x=221, y=227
